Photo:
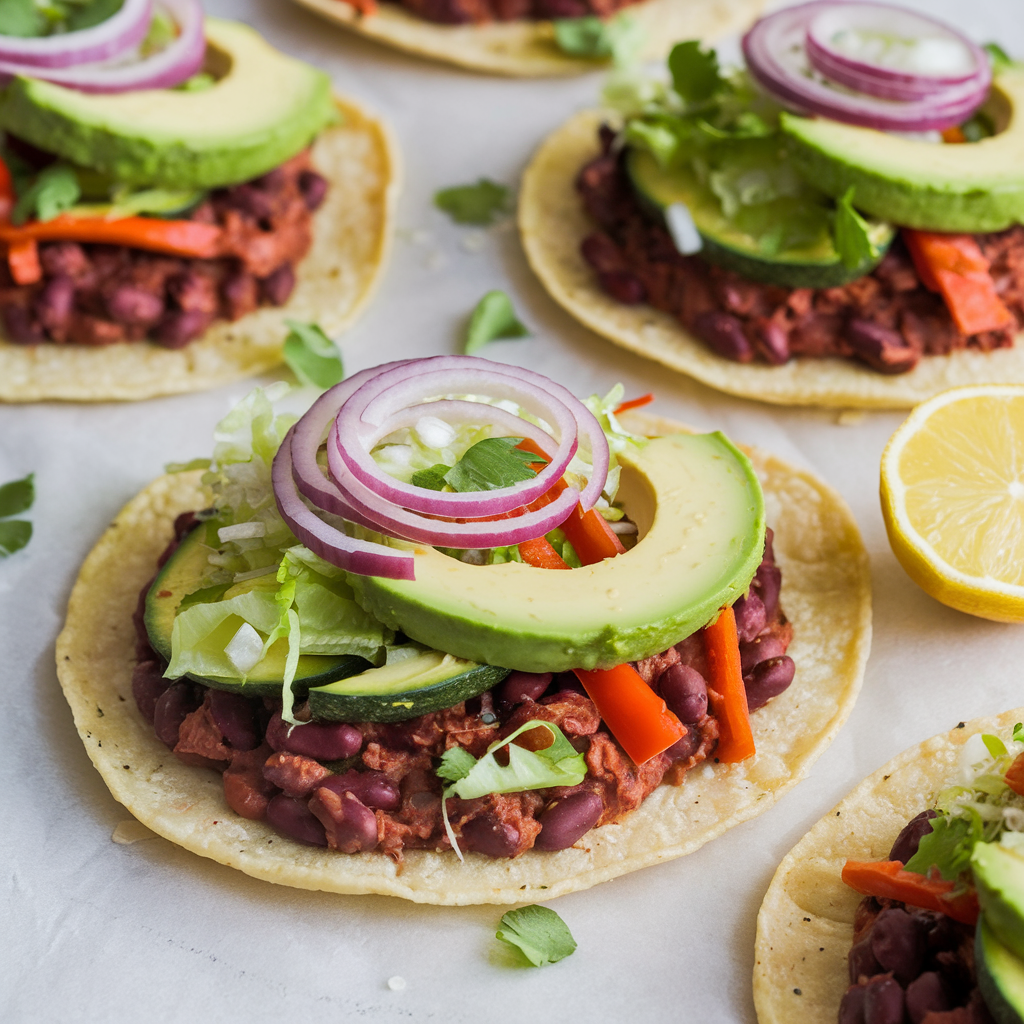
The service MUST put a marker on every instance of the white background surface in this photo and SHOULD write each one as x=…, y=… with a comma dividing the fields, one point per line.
x=103, y=932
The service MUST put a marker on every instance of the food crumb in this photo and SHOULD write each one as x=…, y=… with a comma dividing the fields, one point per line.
x=851, y=417
x=396, y=984
x=797, y=992
x=708, y=772
x=131, y=831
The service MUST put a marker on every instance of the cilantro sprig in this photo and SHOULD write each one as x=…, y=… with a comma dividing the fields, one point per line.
x=538, y=933
x=852, y=233
x=482, y=203
x=488, y=465
x=52, y=191
x=15, y=497
x=493, y=318
x=312, y=356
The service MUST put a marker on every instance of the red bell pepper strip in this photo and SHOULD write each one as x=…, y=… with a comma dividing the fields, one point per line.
x=726, y=691
x=890, y=879
x=23, y=261
x=174, y=237
x=7, y=197
x=1015, y=775
x=635, y=403
x=635, y=715
x=540, y=553
x=954, y=266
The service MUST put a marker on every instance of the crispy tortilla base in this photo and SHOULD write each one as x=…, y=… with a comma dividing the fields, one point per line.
x=527, y=48
x=826, y=593
x=553, y=223
x=352, y=237
x=805, y=925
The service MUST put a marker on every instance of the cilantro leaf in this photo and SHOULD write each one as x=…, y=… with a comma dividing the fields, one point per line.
x=591, y=37
x=852, y=240
x=482, y=203
x=14, y=535
x=998, y=57
x=493, y=318
x=695, y=74
x=17, y=496
x=312, y=356
x=490, y=464
x=433, y=478
x=1018, y=733
x=22, y=18
x=54, y=190
x=947, y=847
x=657, y=138
x=538, y=933
x=91, y=14
x=456, y=764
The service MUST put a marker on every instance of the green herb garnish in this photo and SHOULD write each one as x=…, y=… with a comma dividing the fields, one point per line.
x=53, y=190
x=948, y=846
x=15, y=497
x=538, y=933
x=493, y=318
x=488, y=465
x=312, y=356
x=852, y=233
x=482, y=203
x=695, y=74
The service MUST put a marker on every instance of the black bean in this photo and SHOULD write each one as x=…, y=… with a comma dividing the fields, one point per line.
x=568, y=820
x=278, y=287
x=148, y=685
x=861, y=962
x=489, y=836
x=171, y=709
x=883, y=1001
x=324, y=741
x=684, y=691
x=758, y=650
x=925, y=995
x=54, y=304
x=623, y=286
x=751, y=617
x=296, y=820
x=769, y=583
x=907, y=841
x=178, y=327
x=272, y=181
x=249, y=199
x=20, y=326
x=898, y=942
x=851, y=1009
x=372, y=788
x=768, y=679
x=350, y=825
x=882, y=348
x=313, y=187
x=685, y=747
x=234, y=716
x=724, y=333
x=774, y=343
x=129, y=305
x=520, y=686
x=60, y=258
x=601, y=253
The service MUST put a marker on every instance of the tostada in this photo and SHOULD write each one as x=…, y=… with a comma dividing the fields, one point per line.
x=162, y=211
x=457, y=636
x=837, y=223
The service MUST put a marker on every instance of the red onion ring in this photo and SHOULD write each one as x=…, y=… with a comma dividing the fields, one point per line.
x=776, y=56
x=120, y=32
x=171, y=66
x=879, y=79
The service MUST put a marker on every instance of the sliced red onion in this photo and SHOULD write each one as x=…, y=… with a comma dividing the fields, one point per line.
x=944, y=57
x=171, y=66
x=776, y=55
x=120, y=32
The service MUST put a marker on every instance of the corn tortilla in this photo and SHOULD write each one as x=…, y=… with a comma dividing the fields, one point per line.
x=351, y=239
x=805, y=925
x=552, y=223
x=826, y=594
x=527, y=48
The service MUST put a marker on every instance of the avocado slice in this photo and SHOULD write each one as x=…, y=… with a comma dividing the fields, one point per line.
x=999, y=877
x=1000, y=976
x=972, y=187
x=263, y=108
x=700, y=514
x=183, y=574
x=810, y=263
x=431, y=681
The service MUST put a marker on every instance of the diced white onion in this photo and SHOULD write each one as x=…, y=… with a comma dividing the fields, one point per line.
x=434, y=432
x=682, y=229
x=242, y=531
x=245, y=649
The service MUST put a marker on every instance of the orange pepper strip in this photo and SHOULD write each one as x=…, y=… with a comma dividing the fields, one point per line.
x=174, y=237
x=890, y=879
x=635, y=715
x=635, y=403
x=1015, y=775
x=726, y=691
x=540, y=553
x=954, y=266
x=23, y=260
x=6, y=191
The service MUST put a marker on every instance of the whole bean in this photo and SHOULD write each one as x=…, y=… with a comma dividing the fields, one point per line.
x=898, y=943
x=148, y=684
x=55, y=302
x=724, y=333
x=685, y=747
x=128, y=305
x=762, y=649
x=296, y=820
x=774, y=343
x=325, y=741
x=925, y=995
x=861, y=962
x=601, y=252
x=251, y=200
x=883, y=1001
x=623, y=286
x=374, y=789
x=768, y=679
x=685, y=692
x=851, y=1009
x=882, y=348
x=520, y=686
x=313, y=187
x=350, y=825
x=750, y=616
x=234, y=715
x=769, y=583
x=565, y=821
x=278, y=286
x=172, y=707
x=178, y=327
x=908, y=840
x=490, y=837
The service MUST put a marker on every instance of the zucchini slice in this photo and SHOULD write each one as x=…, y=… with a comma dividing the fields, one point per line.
x=744, y=243
x=431, y=681
x=183, y=574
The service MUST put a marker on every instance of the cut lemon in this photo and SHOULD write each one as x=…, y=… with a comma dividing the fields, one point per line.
x=953, y=499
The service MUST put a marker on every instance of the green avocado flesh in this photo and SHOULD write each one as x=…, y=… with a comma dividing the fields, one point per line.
x=971, y=187
x=183, y=574
x=427, y=682
x=700, y=515
x=1000, y=976
x=811, y=261
x=999, y=877
x=263, y=109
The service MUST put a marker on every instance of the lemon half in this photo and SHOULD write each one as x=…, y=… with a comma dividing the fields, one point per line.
x=952, y=492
